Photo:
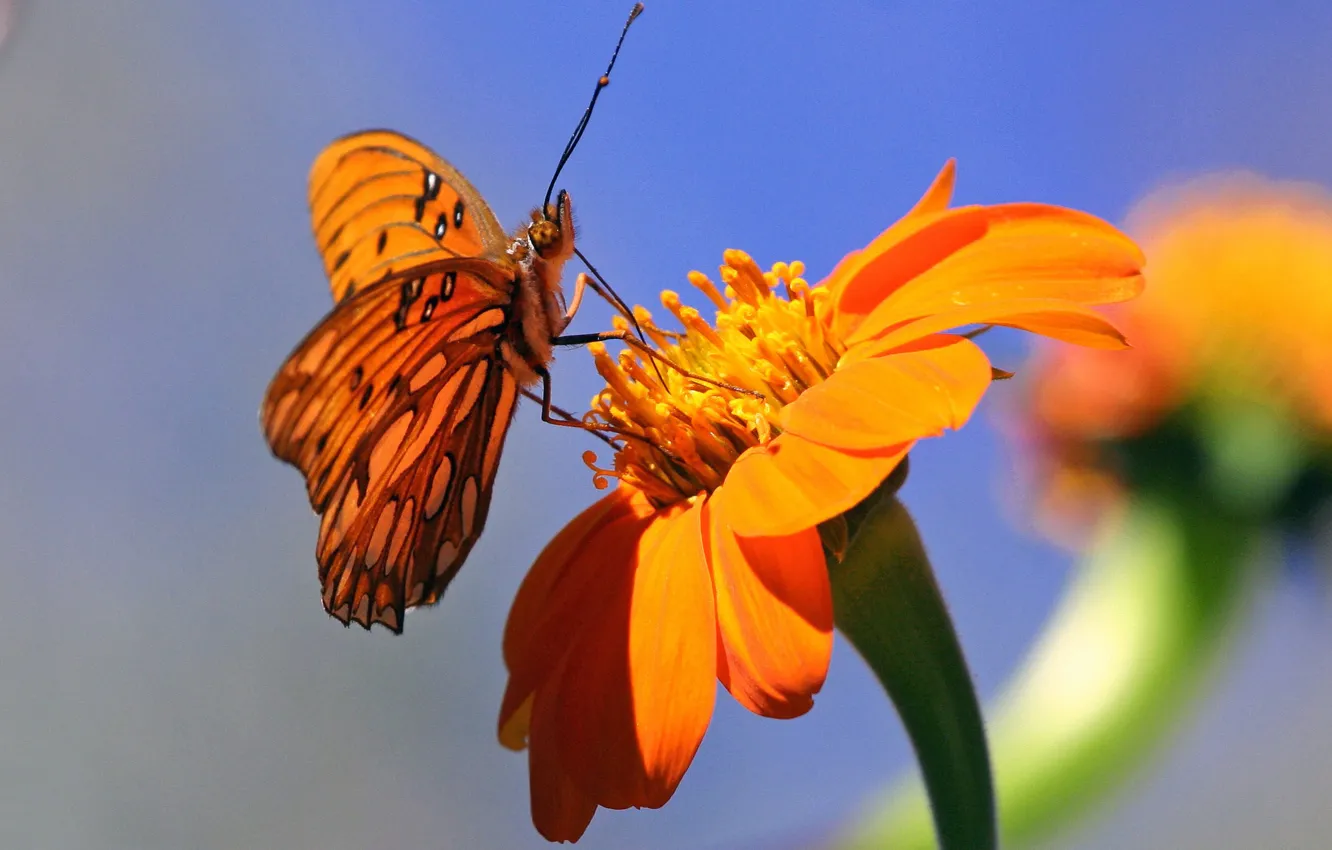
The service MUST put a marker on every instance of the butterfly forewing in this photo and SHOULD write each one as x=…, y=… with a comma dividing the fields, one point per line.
x=381, y=202
x=395, y=408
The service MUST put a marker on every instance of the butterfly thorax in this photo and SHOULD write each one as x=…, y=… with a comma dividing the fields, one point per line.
x=539, y=250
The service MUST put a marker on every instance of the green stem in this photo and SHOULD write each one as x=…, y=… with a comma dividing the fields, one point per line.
x=888, y=605
x=1127, y=650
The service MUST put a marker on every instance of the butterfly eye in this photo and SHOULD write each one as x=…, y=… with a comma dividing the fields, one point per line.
x=543, y=236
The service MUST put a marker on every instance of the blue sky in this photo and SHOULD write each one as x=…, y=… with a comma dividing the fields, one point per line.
x=173, y=680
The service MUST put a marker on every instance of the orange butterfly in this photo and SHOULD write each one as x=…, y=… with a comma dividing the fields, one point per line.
x=395, y=407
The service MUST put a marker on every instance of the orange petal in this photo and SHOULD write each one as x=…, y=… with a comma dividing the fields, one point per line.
x=1027, y=251
x=554, y=560
x=940, y=194
x=934, y=201
x=561, y=810
x=637, y=695
x=930, y=240
x=1052, y=317
x=565, y=597
x=793, y=484
x=897, y=398
x=774, y=617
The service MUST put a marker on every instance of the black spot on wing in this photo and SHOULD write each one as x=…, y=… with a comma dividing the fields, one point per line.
x=431, y=189
x=410, y=292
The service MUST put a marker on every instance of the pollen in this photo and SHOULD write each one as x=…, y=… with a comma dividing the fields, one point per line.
x=682, y=414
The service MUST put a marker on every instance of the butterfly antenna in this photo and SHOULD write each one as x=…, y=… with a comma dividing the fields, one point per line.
x=609, y=295
x=602, y=82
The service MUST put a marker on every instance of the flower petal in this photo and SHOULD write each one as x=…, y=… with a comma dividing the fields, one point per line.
x=1027, y=251
x=561, y=810
x=934, y=201
x=793, y=484
x=1052, y=317
x=896, y=398
x=940, y=194
x=930, y=241
x=637, y=694
x=570, y=583
x=774, y=616
x=553, y=562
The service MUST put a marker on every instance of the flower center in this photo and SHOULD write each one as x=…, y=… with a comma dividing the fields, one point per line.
x=680, y=419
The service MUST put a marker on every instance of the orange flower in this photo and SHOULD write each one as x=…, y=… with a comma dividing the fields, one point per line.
x=706, y=562
x=1240, y=307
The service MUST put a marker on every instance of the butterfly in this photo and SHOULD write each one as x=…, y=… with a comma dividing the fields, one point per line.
x=396, y=406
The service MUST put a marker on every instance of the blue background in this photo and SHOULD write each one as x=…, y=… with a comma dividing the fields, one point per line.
x=167, y=675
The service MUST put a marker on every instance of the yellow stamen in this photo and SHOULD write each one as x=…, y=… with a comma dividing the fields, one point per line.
x=703, y=284
x=685, y=427
x=600, y=477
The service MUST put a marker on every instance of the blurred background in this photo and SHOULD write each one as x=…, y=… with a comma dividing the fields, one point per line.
x=168, y=677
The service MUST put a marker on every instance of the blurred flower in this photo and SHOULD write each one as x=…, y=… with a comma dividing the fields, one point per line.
x=739, y=447
x=1233, y=337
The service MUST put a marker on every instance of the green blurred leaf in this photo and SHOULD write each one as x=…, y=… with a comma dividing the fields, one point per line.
x=1141, y=624
x=888, y=605
x=1254, y=452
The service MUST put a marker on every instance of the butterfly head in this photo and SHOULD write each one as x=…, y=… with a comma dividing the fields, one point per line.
x=541, y=248
x=550, y=236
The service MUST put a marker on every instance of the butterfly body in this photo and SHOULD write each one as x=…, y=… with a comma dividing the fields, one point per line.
x=395, y=407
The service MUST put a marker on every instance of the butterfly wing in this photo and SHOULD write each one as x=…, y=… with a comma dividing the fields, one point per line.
x=395, y=408
x=381, y=202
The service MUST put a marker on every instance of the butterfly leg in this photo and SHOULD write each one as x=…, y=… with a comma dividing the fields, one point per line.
x=642, y=347
x=564, y=415
x=568, y=420
x=580, y=286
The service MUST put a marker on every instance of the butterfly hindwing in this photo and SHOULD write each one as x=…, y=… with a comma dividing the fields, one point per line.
x=398, y=382
x=381, y=202
x=400, y=544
